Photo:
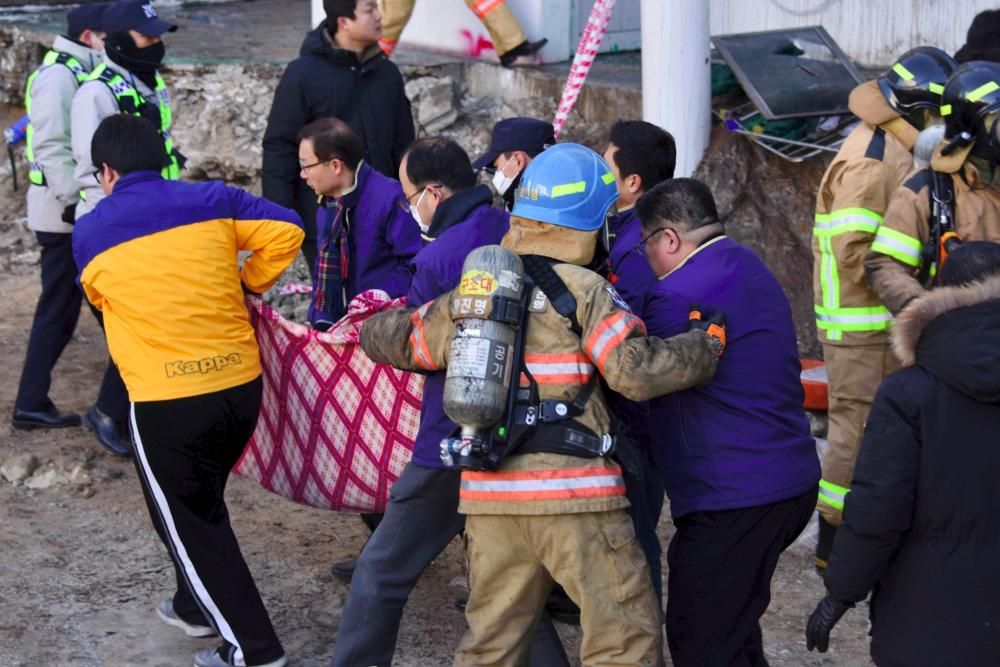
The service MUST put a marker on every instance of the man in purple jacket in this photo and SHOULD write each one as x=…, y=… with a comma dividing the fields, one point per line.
x=640, y=155
x=366, y=237
x=455, y=217
x=735, y=456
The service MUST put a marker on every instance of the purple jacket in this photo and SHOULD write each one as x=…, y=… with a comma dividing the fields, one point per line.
x=382, y=238
x=630, y=272
x=743, y=439
x=461, y=224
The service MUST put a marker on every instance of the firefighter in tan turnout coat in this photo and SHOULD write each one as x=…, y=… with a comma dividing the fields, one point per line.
x=852, y=322
x=901, y=264
x=544, y=516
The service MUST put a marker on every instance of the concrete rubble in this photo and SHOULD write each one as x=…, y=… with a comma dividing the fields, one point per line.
x=19, y=468
x=29, y=471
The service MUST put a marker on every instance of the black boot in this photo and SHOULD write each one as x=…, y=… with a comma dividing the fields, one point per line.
x=522, y=53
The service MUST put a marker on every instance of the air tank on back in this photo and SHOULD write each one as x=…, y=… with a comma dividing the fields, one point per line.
x=481, y=360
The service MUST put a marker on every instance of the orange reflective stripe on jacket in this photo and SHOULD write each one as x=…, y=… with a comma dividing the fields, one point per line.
x=573, y=368
x=418, y=340
x=482, y=7
x=551, y=484
x=609, y=334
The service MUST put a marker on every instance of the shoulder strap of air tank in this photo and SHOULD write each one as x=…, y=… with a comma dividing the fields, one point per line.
x=541, y=271
x=941, y=192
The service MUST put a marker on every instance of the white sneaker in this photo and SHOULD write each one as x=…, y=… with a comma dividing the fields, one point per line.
x=167, y=614
x=216, y=657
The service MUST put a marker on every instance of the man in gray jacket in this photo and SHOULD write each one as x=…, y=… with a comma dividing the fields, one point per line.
x=52, y=198
x=127, y=82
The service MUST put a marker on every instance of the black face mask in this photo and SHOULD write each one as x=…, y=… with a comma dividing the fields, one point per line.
x=121, y=48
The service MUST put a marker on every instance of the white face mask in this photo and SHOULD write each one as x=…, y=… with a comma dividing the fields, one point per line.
x=502, y=181
x=414, y=211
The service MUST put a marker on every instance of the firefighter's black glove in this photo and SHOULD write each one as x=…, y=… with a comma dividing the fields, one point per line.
x=828, y=612
x=69, y=214
x=714, y=325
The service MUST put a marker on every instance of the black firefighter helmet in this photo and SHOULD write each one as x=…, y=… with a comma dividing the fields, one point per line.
x=970, y=107
x=916, y=81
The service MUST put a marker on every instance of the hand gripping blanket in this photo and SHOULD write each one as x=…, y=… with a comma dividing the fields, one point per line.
x=335, y=428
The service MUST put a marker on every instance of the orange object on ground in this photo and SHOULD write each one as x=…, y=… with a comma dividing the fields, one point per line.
x=814, y=382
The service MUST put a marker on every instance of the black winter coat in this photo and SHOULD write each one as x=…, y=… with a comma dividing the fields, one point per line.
x=323, y=81
x=922, y=520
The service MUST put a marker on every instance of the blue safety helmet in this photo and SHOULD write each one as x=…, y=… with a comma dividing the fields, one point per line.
x=567, y=185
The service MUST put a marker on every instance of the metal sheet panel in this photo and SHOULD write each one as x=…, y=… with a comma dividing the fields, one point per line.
x=871, y=32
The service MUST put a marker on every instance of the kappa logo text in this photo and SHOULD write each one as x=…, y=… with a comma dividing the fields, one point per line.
x=202, y=366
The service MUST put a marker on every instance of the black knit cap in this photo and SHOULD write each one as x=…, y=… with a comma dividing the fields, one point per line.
x=982, y=42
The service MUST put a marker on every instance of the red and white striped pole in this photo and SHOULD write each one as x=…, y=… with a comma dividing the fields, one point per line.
x=586, y=51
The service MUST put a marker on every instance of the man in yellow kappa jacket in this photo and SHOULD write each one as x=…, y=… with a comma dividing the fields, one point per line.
x=547, y=514
x=159, y=259
x=852, y=322
x=912, y=242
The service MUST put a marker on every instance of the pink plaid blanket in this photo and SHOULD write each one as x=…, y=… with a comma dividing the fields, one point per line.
x=335, y=428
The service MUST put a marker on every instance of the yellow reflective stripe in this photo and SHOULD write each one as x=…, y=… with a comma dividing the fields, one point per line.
x=828, y=278
x=902, y=71
x=945, y=110
x=871, y=318
x=29, y=150
x=827, y=226
x=569, y=189
x=982, y=91
x=122, y=88
x=846, y=220
x=897, y=245
x=935, y=88
x=832, y=494
x=608, y=178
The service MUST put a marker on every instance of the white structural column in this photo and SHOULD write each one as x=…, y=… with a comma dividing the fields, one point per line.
x=317, y=13
x=676, y=77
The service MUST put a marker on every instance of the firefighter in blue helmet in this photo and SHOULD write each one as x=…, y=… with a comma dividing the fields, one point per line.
x=553, y=509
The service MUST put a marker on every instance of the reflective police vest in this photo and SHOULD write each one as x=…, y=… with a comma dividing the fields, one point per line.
x=53, y=57
x=131, y=101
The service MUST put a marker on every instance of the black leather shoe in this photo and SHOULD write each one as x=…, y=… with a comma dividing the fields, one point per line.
x=107, y=433
x=52, y=418
x=344, y=570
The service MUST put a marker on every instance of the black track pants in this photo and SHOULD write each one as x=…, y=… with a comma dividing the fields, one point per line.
x=184, y=451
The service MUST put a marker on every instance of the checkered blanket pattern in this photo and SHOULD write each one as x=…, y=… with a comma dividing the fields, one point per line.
x=335, y=428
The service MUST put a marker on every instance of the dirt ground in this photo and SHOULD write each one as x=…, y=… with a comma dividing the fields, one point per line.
x=82, y=569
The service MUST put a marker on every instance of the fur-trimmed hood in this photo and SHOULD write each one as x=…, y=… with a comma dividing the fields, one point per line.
x=954, y=334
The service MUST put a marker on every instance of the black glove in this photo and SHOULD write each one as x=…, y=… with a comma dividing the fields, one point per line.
x=714, y=326
x=69, y=214
x=828, y=612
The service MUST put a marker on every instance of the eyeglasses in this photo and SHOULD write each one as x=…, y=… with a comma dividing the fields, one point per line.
x=97, y=176
x=307, y=167
x=404, y=203
x=640, y=247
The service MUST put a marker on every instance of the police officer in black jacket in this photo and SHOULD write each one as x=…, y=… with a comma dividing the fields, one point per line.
x=340, y=72
x=922, y=519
